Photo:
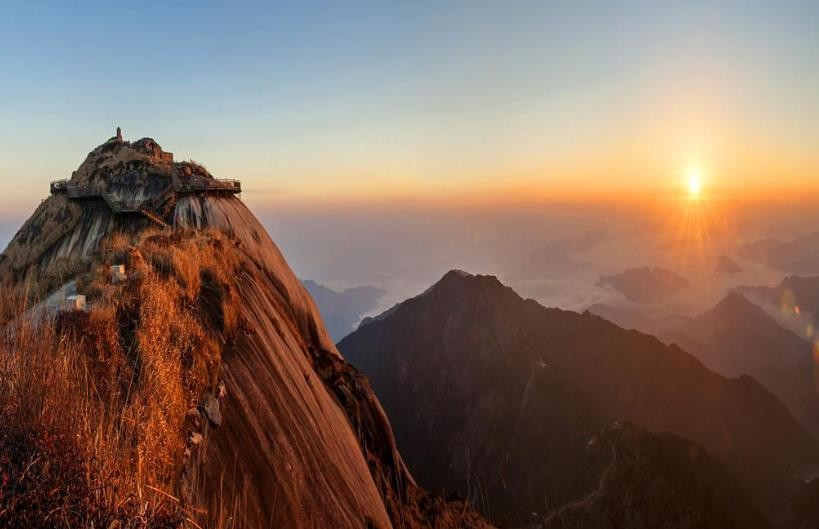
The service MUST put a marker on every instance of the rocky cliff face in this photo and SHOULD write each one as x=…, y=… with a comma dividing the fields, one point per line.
x=62, y=236
x=497, y=396
x=285, y=429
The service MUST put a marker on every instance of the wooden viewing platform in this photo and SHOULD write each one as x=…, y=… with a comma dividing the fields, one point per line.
x=148, y=208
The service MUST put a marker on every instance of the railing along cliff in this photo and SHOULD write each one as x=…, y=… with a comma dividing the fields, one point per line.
x=148, y=207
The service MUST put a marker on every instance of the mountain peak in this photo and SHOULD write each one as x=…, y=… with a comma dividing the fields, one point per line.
x=457, y=272
x=116, y=152
x=472, y=366
x=735, y=306
x=460, y=282
x=228, y=344
x=725, y=265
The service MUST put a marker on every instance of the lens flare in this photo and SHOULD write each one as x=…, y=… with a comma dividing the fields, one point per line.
x=692, y=224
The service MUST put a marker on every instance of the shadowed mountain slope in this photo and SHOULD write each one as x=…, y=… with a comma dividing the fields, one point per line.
x=496, y=396
x=737, y=337
x=791, y=292
x=804, y=512
x=653, y=481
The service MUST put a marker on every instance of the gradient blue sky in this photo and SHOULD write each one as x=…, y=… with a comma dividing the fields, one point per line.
x=316, y=101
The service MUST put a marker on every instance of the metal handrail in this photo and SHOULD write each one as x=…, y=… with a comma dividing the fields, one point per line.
x=58, y=186
x=215, y=184
x=74, y=190
x=147, y=207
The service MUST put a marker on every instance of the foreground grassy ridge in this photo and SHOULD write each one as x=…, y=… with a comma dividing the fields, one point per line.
x=97, y=409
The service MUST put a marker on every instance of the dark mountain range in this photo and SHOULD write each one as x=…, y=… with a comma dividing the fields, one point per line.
x=737, y=338
x=804, y=513
x=238, y=407
x=645, y=284
x=342, y=311
x=656, y=480
x=790, y=293
x=497, y=397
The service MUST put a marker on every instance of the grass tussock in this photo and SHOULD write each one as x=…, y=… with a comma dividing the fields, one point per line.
x=97, y=408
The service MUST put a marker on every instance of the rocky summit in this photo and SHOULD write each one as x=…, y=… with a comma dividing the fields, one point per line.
x=196, y=382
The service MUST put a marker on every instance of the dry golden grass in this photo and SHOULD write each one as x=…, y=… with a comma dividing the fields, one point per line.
x=94, y=407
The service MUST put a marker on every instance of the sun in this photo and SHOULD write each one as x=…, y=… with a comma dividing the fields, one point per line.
x=694, y=183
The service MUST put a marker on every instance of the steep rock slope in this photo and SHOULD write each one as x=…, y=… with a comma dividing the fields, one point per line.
x=495, y=396
x=293, y=435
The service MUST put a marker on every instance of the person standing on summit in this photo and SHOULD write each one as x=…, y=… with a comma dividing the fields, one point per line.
x=119, y=134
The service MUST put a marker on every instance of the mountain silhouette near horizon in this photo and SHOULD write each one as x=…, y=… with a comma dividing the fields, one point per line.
x=496, y=396
x=644, y=285
x=219, y=394
x=794, y=294
x=737, y=337
x=342, y=310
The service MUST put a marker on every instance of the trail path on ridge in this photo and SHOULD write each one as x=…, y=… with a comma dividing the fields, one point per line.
x=598, y=492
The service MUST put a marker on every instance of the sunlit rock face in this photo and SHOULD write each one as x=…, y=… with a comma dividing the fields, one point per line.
x=63, y=234
x=300, y=440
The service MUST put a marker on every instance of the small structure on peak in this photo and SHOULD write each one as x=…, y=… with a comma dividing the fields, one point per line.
x=117, y=172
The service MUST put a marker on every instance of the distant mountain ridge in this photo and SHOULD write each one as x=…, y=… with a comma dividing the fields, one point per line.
x=726, y=266
x=799, y=255
x=737, y=337
x=792, y=292
x=342, y=310
x=645, y=284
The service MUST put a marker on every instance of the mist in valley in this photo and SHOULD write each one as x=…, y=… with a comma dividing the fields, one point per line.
x=553, y=253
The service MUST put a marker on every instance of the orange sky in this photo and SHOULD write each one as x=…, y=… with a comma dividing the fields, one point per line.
x=471, y=101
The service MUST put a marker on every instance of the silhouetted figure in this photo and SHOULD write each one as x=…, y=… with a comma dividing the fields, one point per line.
x=119, y=134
